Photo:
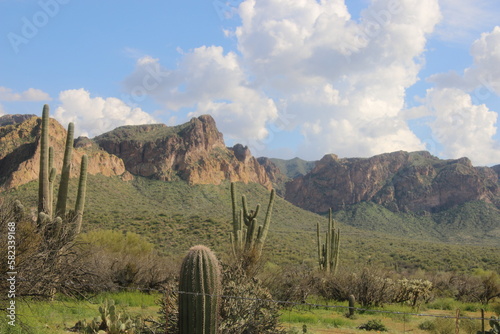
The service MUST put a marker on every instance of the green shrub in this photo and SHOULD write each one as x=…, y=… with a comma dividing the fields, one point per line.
x=427, y=325
x=470, y=326
x=443, y=326
x=373, y=325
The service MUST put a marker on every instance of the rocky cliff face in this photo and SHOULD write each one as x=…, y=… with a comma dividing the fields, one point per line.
x=20, y=152
x=400, y=181
x=194, y=152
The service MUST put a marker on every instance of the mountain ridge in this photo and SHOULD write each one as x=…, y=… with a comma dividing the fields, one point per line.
x=400, y=187
x=400, y=181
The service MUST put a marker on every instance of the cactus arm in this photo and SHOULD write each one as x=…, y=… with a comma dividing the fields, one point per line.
x=235, y=214
x=62, y=195
x=251, y=235
x=262, y=235
x=52, y=179
x=320, y=260
x=43, y=181
x=248, y=215
x=80, y=199
x=328, y=260
x=256, y=212
x=336, y=254
x=245, y=210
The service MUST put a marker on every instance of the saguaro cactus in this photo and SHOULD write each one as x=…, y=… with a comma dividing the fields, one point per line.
x=48, y=174
x=328, y=253
x=254, y=235
x=199, y=290
x=352, y=301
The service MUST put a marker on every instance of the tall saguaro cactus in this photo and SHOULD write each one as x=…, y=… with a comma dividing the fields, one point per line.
x=199, y=292
x=249, y=241
x=48, y=174
x=328, y=253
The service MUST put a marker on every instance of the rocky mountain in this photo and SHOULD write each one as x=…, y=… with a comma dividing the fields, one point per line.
x=20, y=156
x=194, y=152
x=399, y=181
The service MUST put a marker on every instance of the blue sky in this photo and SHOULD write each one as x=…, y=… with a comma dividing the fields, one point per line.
x=287, y=78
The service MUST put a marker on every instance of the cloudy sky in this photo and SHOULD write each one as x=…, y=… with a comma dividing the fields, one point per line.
x=287, y=78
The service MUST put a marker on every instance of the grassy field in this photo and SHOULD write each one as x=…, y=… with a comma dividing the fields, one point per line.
x=59, y=316
x=175, y=216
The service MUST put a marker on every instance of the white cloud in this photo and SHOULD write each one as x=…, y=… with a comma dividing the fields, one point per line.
x=95, y=115
x=462, y=128
x=208, y=82
x=2, y=111
x=463, y=124
x=484, y=74
x=32, y=94
x=343, y=81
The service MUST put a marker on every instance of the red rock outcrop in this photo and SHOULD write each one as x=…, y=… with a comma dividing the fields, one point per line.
x=400, y=181
x=194, y=152
x=20, y=153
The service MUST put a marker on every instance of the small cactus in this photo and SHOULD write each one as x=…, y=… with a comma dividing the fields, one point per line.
x=199, y=289
x=352, y=301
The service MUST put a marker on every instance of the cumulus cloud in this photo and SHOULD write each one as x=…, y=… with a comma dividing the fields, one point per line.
x=462, y=123
x=461, y=127
x=207, y=81
x=484, y=74
x=343, y=81
x=32, y=94
x=95, y=115
x=2, y=111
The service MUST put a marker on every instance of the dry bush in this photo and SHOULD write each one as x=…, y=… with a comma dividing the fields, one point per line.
x=246, y=306
x=46, y=261
x=122, y=260
x=292, y=283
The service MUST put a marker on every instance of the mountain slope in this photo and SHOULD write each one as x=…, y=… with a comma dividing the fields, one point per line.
x=176, y=215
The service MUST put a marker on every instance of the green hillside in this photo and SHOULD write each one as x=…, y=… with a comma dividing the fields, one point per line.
x=175, y=216
x=293, y=167
x=470, y=223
